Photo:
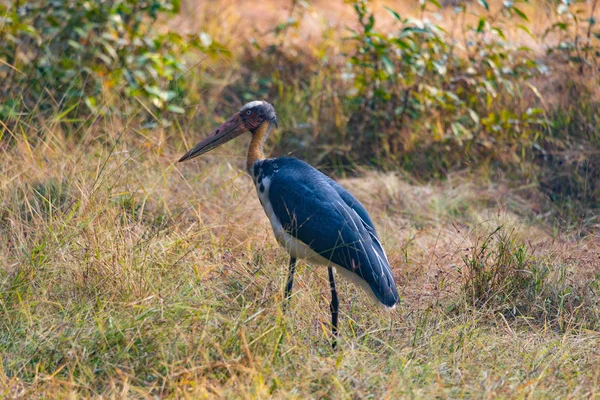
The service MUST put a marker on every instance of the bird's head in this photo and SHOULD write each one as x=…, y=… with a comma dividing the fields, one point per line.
x=250, y=118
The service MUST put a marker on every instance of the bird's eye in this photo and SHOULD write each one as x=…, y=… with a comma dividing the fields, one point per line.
x=248, y=112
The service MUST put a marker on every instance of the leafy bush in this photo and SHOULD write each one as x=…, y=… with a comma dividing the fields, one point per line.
x=568, y=155
x=568, y=158
x=420, y=78
x=60, y=55
x=578, y=35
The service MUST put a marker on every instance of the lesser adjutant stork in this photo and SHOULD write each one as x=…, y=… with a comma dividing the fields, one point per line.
x=313, y=217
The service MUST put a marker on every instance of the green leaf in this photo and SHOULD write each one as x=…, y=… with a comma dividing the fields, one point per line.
x=520, y=13
x=176, y=109
x=473, y=115
x=526, y=30
x=110, y=50
x=64, y=113
x=534, y=111
x=436, y=3
x=388, y=64
x=369, y=26
x=481, y=25
x=500, y=32
x=393, y=13
x=458, y=129
x=106, y=59
x=484, y=4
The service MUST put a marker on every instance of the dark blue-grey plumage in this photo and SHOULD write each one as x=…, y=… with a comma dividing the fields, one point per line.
x=319, y=212
x=312, y=216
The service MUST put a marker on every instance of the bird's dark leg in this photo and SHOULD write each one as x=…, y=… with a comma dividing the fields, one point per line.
x=290, y=281
x=334, y=306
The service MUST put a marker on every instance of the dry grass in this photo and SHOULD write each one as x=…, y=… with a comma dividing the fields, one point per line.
x=233, y=22
x=126, y=275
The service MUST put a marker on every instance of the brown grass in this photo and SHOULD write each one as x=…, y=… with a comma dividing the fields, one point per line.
x=153, y=278
x=127, y=275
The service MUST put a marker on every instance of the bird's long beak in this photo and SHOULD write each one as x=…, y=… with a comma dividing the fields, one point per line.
x=232, y=128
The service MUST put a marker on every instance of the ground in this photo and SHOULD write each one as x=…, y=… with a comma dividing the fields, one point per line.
x=128, y=275
x=149, y=277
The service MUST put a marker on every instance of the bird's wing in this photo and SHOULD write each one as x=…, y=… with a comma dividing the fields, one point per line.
x=354, y=204
x=312, y=211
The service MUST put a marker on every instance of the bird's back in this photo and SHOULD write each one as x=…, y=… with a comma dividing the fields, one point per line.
x=321, y=214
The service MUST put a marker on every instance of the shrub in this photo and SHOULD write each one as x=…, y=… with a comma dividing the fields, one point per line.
x=464, y=95
x=578, y=36
x=568, y=157
x=79, y=56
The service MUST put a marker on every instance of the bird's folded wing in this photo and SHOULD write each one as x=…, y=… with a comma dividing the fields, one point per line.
x=354, y=204
x=311, y=210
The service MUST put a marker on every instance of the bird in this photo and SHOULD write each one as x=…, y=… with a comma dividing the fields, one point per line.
x=313, y=217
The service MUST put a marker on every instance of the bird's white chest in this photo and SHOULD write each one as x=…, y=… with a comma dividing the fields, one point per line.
x=294, y=247
x=262, y=189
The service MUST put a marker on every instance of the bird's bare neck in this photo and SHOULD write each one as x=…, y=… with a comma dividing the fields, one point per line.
x=255, y=150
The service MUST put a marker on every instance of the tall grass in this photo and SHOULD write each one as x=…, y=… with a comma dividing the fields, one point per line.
x=127, y=275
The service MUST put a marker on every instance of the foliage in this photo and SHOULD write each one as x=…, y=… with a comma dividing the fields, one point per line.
x=569, y=165
x=578, y=35
x=126, y=275
x=59, y=55
x=568, y=157
x=422, y=79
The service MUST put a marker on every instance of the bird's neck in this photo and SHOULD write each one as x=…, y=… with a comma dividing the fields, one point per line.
x=255, y=150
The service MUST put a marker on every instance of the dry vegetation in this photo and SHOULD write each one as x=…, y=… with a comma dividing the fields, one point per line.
x=126, y=275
